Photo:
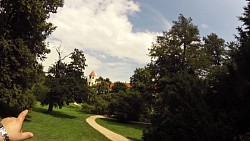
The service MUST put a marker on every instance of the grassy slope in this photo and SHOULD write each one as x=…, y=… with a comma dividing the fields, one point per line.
x=64, y=124
x=130, y=130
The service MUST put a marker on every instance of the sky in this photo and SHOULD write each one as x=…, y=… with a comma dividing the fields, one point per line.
x=115, y=35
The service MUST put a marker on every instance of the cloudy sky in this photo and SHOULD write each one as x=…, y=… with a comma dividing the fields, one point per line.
x=115, y=35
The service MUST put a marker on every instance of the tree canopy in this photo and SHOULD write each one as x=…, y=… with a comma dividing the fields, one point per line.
x=189, y=81
x=66, y=82
x=23, y=30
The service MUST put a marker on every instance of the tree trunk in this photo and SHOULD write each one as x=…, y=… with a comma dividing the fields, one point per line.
x=50, y=109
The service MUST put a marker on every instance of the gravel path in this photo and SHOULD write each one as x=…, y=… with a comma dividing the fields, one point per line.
x=109, y=134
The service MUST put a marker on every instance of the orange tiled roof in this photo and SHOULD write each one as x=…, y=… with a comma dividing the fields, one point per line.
x=127, y=84
x=92, y=73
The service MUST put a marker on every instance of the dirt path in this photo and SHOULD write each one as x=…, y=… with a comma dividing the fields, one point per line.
x=109, y=134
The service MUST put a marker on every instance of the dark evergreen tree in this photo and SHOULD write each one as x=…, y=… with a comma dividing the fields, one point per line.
x=237, y=104
x=181, y=64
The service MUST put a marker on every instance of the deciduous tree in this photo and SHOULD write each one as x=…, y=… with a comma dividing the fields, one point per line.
x=119, y=86
x=23, y=30
x=66, y=81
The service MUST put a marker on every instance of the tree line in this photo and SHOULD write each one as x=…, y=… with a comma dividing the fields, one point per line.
x=198, y=88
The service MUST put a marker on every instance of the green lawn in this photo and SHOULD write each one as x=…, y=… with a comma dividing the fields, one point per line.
x=66, y=124
x=130, y=130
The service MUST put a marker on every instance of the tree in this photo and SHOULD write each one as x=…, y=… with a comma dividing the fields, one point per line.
x=215, y=49
x=178, y=63
x=119, y=86
x=126, y=106
x=75, y=69
x=237, y=99
x=65, y=81
x=99, y=97
x=23, y=30
x=102, y=86
x=141, y=80
x=218, y=59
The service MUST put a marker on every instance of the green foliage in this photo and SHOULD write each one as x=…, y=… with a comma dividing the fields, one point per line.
x=19, y=70
x=23, y=30
x=214, y=49
x=177, y=50
x=126, y=106
x=103, y=86
x=87, y=108
x=65, y=82
x=143, y=83
x=98, y=97
x=242, y=56
x=189, y=79
x=236, y=94
x=40, y=90
x=77, y=65
x=98, y=104
x=119, y=86
x=141, y=80
x=181, y=113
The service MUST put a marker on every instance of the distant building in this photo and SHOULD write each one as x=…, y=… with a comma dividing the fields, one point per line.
x=127, y=84
x=92, y=79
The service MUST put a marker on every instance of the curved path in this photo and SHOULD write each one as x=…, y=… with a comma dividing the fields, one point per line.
x=109, y=134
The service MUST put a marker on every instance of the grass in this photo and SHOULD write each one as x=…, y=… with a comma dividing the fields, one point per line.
x=69, y=124
x=66, y=124
x=132, y=131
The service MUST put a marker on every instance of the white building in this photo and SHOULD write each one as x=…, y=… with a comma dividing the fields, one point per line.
x=91, y=79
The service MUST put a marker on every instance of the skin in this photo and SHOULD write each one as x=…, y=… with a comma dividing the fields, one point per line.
x=13, y=126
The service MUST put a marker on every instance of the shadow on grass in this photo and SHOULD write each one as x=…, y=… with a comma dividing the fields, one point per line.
x=28, y=118
x=7, y=111
x=57, y=114
x=134, y=139
x=131, y=124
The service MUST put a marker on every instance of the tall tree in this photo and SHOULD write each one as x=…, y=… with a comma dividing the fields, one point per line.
x=238, y=98
x=215, y=49
x=65, y=81
x=178, y=61
x=23, y=30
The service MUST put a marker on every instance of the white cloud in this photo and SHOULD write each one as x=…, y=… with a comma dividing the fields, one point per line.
x=102, y=30
x=204, y=26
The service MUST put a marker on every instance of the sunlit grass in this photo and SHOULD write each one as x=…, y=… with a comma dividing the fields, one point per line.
x=130, y=130
x=66, y=124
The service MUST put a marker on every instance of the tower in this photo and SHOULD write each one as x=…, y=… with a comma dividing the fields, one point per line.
x=91, y=79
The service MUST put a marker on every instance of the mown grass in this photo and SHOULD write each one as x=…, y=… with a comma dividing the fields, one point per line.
x=66, y=124
x=132, y=131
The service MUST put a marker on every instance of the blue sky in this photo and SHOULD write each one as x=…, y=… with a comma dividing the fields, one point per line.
x=219, y=16
x=115, y=35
